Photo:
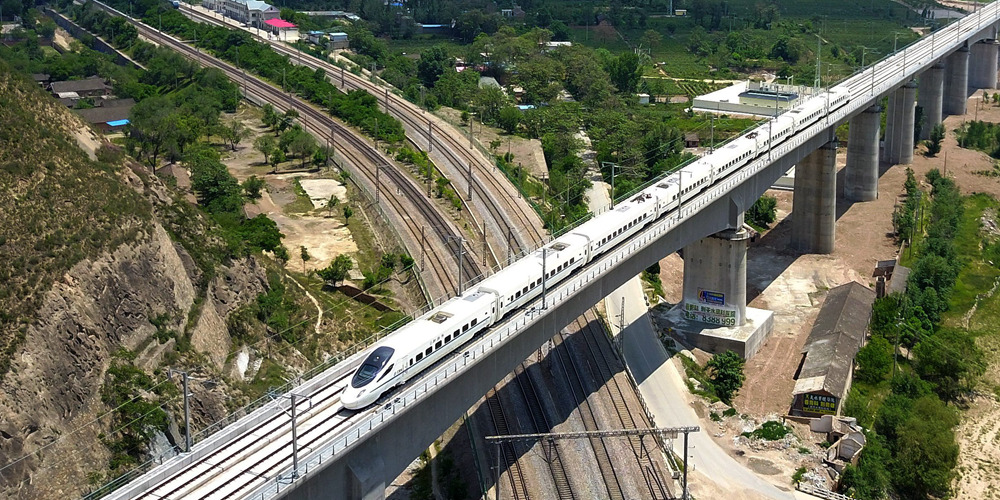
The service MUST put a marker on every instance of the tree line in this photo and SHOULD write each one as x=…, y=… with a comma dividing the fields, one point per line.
x=911, y=450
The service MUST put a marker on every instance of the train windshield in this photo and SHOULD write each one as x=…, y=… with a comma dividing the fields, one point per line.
x=375, y=361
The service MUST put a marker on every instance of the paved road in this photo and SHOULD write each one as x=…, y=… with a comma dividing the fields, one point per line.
x=665, y=392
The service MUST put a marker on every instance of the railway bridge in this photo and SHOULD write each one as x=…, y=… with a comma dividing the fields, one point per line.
x=307, y=446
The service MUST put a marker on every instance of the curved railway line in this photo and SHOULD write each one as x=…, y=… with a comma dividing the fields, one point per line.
x=365, y=161
x=515, y=223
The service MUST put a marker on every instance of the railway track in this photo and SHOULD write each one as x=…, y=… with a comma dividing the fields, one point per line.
x=579, y=391
x=642, y=446
x=514, y=223
x=560, y=478
x=244, y=462
x=362, y=161
x=508, y=456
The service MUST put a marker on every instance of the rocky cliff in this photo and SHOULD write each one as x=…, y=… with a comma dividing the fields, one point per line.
x=88, y=278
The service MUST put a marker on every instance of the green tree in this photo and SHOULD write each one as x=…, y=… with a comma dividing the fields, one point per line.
x=303, y=146
x=726, y=374
x=949, y=359
x=925, y=451
x=870, y=479
x=150, y=127
x=331, y=204
x=763, y=212
x=650, y=39
x=510, y=118
x=348, y=212
x=432, y=64
x=270, y=118
x=252, y=187
x=266, y=145
x=304, y=255
x=625, y=72
x=934, y=143
x=337, y=270
x=234, y=133
x=874, y=360
x=277, y=157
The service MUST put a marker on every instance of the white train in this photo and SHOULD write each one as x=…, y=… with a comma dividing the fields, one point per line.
x=422, y=342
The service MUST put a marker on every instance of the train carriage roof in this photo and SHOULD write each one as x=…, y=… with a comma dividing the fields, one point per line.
x=444, y=319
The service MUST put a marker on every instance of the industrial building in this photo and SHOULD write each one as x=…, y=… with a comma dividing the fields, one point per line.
x=827, y=366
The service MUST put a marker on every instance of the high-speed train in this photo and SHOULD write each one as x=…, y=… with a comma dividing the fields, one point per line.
x=419, y=344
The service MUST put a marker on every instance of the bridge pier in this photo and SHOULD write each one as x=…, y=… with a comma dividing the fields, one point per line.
x=930, y=97
x=956, y=82
x=715, y=273
x=899, y=121
x=814, y=204
x=983, y=66
x=861, y=174
x=713, y=314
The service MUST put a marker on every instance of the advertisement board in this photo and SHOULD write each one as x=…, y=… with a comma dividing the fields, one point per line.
x=711, y=314
x=710, y=297
x=819, y=403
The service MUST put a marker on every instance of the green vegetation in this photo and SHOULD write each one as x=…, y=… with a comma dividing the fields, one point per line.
x=981, y=136
x=726, y=374
x=772, y=430
x=651, y=275
x=911, y=449
x=692, y=370
x=136, y=413
x=763, y=213
x=797, y=476
x=934, y=143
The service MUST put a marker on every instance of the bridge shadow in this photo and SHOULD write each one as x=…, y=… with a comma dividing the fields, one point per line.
x=547, y=401
x=772, y=252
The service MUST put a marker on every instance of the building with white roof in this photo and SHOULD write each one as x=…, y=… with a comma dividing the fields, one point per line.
x=250, y=12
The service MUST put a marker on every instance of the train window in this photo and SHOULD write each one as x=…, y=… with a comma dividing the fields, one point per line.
x=411, y=361
x=524, y=290
x=474, y=321
x=438, y=344
x=420, y=356
x=387, y=371
x=428, y=351
x=447, y=339
x=465, y=328
x=455, y=333
x=517, y=295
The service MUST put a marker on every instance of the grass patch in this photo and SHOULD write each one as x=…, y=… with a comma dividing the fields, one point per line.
x=694, y=371
x=302, y=203
x=801, y=471
x=977, y=275
x=772, y=430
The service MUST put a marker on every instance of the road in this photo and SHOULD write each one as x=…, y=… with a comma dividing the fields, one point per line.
x=663, y=388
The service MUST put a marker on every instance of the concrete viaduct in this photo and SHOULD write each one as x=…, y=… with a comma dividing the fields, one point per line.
x=360, y=458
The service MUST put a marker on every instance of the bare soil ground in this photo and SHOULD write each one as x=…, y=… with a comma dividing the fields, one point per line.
x=323, y=236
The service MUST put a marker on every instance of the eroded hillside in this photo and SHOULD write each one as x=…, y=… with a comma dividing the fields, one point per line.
x=101, y=266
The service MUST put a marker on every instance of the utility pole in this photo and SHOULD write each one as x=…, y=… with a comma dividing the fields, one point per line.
x=295, y=447
x=430, y=136
x=460, y=266
x=544, y=251
x=422, y=249
x=469, y=176
x=187, y=407
x=378, y=183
